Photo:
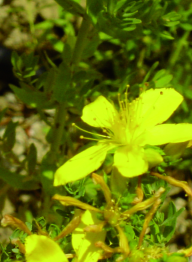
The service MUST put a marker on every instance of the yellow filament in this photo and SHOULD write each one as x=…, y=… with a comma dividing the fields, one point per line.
x=127, y=102
x=88, y=138
x=73, y=124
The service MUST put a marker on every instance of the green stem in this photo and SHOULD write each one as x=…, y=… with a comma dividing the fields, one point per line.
x=58, y=130
x=177, y=51
x=60, y=116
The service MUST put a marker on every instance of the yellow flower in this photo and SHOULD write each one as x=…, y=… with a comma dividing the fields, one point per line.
x=128, y=130
x=84, y=242
x=43, y=249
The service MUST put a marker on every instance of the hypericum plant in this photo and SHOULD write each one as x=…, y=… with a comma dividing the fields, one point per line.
x=118, y=213
x=119, y=232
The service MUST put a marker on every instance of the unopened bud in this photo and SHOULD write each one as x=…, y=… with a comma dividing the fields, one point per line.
x=14, y=222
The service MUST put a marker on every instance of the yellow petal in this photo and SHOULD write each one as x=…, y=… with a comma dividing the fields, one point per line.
x=129, y=162
x=168, y=133
x=84, y=242
x=100, y=113
x=43, y=249
x=155, y=106
x=82, y=164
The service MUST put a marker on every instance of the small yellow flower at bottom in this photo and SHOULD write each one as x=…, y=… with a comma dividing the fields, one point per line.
x=84, y=242
x=43, y=249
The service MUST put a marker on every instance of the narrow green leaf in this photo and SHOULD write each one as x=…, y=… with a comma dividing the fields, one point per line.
x=151, y=70
x=91, y=46
x=166, y=35
x=71, y=7
x=2, y=113
x=31, y=159
x=164, y=81
x=32, y=98
x=9, y=136
x=17, y=181
x=94, y=7
x=62, y=83
x=67, y=53
x=168, y=226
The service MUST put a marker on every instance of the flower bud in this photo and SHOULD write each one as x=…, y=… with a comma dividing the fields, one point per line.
x=153, y=157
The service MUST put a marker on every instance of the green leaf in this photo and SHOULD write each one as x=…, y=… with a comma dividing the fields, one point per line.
x=50, y=80
x=94, y=7
x=130, y=233
x=16, y=61
x=62, y=83
x=47, y=175
x=166, y=35
x=164, y=81
x=159, y=74
x=56, y=43
x=31, y=159
x=177, y=258
x=115, y=27
x=186, y=26
x=17, y=181
x=167, y=228
x=86, y=89
x=67, y=53
x=71, y=7
x=151, y=70
x=32, y=98
x=9, y=136
x=25, y=65
x=171, y=19
x=91, y=46
x=2, y=113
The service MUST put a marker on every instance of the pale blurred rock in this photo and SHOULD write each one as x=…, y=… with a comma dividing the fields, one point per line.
x=48, y=9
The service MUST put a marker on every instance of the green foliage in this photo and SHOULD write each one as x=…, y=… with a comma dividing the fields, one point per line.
x=24, y=66
x=18, y=181
x=31, y=159
x=166, y=228
x=72, y=7
x=9, y=136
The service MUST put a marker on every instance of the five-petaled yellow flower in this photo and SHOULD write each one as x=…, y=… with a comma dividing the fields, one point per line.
x=134, y=126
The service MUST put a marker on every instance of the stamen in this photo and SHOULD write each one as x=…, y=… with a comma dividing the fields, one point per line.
x=126, y=96
x=122, y=105
x=120, y=102
x=94, y=134
x=126, y=102
x=88, y=138
x=108, y=132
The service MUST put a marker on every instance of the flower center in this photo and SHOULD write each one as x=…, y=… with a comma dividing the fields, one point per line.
x=126, y=128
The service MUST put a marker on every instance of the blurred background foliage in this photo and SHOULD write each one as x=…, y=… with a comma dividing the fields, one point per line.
x=143, y=43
